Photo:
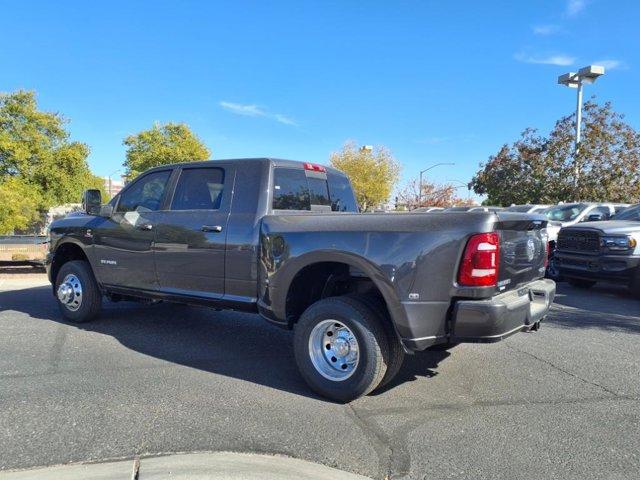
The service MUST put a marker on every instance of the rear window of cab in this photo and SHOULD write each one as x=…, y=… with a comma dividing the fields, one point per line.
x=297, y=189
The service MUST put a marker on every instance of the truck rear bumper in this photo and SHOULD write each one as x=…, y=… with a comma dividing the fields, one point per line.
x=494, y=319
x=491, y=320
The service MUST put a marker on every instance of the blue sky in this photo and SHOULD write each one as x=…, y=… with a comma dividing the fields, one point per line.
x=433, y=81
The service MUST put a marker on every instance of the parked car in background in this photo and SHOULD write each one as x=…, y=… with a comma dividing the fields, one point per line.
x=630, y=213
x=609, y=250
x=529, y=208
x=568, y=214
x=427, y=209
x=477, y=208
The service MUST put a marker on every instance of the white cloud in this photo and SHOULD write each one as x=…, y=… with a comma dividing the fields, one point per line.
x=546, y=30
x=561, y=60
x=250, y=110
x=611, y=64
x=574, y=7
x=240, y=109
x=284, y=119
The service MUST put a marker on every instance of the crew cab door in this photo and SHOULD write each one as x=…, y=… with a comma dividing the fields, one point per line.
x=123, y=242
x=191, y=234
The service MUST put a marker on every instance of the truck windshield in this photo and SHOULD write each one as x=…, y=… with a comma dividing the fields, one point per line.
x=565, y=213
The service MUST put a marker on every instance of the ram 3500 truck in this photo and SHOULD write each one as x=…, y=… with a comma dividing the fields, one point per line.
x=595, y=251
x=284, y=239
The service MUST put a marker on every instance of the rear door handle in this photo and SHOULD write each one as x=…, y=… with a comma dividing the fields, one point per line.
x=145, y=226
x=211, y=228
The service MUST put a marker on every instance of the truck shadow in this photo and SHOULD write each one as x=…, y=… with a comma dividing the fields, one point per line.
x=232, y=344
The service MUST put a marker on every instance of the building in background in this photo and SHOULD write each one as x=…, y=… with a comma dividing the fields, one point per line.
x=113, y=185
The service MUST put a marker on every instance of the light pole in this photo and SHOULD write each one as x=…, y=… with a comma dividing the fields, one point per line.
x=585, y=75
x=110, y=175
x=462, y=184
x=420, y=183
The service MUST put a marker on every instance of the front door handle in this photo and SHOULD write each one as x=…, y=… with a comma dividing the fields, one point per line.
x=211, y=228
x=145, y=226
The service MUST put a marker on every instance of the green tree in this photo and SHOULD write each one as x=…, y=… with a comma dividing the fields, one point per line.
x=35, y=149
x=373, y=174
x=162, y=145
x=537, y=169
x=19, y=205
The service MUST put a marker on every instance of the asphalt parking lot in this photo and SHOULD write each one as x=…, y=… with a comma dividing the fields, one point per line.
x=560, y=403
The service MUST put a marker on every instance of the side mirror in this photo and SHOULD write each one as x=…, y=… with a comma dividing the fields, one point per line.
x=595, y=217
x=91, y=201
x=106, y=210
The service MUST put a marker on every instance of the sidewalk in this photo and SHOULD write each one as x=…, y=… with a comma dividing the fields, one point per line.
x=193, y=466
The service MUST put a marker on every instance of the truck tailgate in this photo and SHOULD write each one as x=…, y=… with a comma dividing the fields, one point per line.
x=523, y=248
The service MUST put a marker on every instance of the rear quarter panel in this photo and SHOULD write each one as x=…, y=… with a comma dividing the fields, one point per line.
x=403, y=253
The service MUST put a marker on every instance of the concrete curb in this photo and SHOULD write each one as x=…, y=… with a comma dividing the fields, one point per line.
x=192, y=466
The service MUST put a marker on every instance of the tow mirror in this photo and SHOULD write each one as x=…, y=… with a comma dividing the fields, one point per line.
x=91, y=201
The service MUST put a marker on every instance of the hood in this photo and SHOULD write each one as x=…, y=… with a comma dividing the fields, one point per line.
x=72, y=220
x=609, y=227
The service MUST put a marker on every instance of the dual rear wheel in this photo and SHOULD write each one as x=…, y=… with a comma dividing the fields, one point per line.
x=344, y=347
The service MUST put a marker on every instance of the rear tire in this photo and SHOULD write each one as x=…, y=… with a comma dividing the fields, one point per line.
x=77, y=292
x=396, y=352
x=580, y=283
x=341, y=348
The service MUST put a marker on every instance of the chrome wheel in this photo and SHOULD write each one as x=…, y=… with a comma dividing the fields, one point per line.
x=333, y=350
x=70, y=292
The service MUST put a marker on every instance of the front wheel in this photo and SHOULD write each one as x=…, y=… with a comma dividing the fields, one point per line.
x=77, y=292
x=341, y=348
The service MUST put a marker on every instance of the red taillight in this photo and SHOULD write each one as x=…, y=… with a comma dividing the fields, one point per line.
x=547, y=254
x=479, y=267
x=314, y=168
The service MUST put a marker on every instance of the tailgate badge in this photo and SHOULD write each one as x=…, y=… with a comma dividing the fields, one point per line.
x=414, y=296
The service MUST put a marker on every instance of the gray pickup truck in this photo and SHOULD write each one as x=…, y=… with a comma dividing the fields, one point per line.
x=284, y=239
x=587, y=253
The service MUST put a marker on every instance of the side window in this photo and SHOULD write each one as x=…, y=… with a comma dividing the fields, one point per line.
x=341, y=194
x=199, y=189
x=290, y=189
x=145, y=195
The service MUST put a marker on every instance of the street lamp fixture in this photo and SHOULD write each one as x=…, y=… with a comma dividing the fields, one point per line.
x=426, y=170
x=366, y=148
x=586, y=75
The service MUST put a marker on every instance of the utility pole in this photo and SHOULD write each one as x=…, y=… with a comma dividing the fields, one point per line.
x=420, y=182
x=585, y=75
